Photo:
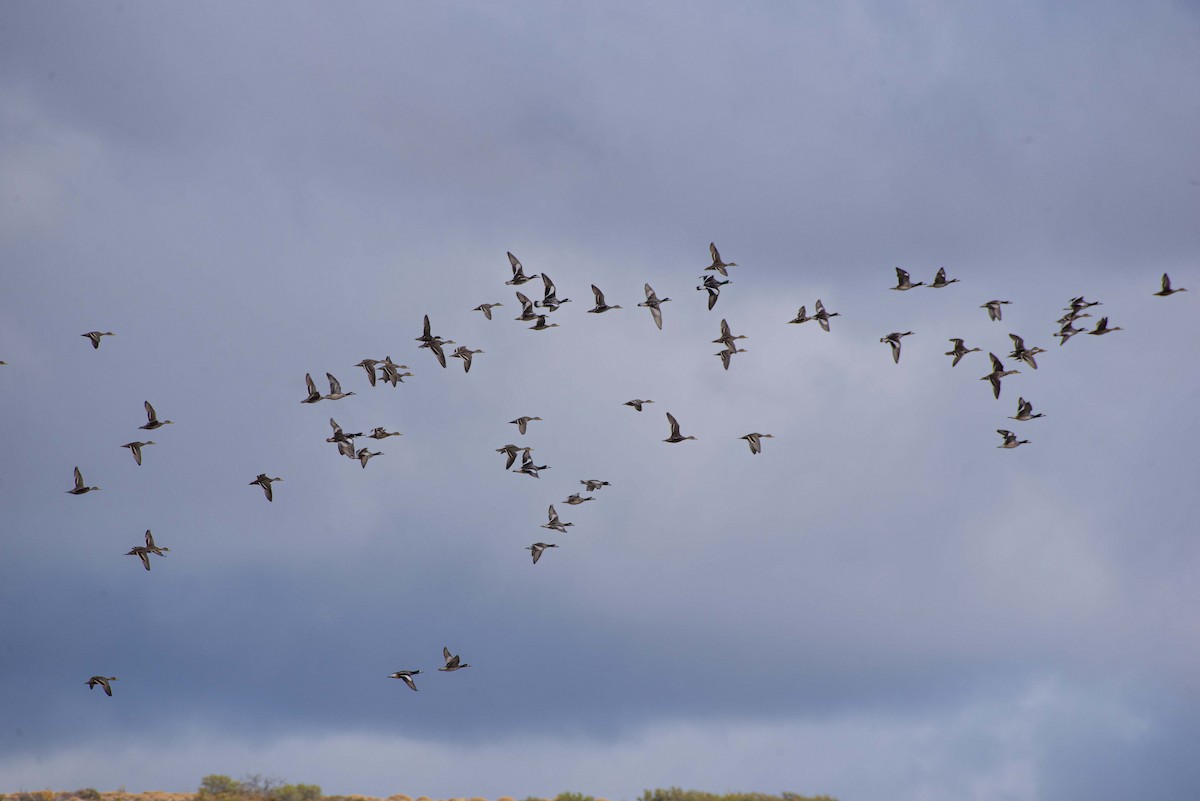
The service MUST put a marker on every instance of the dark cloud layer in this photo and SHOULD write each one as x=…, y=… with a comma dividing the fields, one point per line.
x=246, y=195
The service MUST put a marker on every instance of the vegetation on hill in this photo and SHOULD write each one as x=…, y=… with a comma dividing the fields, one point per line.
x=260, y=788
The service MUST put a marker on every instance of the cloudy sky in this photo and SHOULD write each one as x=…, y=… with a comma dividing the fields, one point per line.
x=881, y=605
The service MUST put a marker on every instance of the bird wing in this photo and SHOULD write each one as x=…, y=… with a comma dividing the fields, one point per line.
x=901, y=277
x=1018, y=342
x=656, y=313
x=312, y=388
x=516, y=265
x=725, y=332
x=712, y=251
x=940, y=278
x=335, y=388
x=996, y=365
x=650, y=296
x=674, y=424
x=78, y=479
x=599, y=295
x=425, y=334
x=150, y=415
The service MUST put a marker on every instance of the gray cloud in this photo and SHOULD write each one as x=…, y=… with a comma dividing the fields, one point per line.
x=246, y=197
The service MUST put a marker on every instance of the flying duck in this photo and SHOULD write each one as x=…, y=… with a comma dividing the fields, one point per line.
x=1102, y=328
x=1166, y=287
x=406, y=676
x=550, y=299
x=717, y=264
x=637, y=403
x=136, y=449
x=94, y=336
x=511, y=452
x=537, y=549
x=313, y=395
x=822, y=316
x=940, y=281
x=264, y=481
x=959, y=351
x=601, y=306
x=452, y=662
x=554, y=523
x=522, y=422
x=654, y=304
x=893, y=339
x=518, y=271
x=1010, y=439
x=675, y=435
x=102, y=681
x=903, y=283
x=1025, y=411
x=464, y=353
x=993, y=308
x=152, y=421
x=486, y=308
x=592, y=484
x=755, y=441
x=80, y=489
x=997, y=373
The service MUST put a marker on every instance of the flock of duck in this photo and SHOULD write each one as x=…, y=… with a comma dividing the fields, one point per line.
x=537, y=312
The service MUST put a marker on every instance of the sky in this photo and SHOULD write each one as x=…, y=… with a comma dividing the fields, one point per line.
x=882, y=605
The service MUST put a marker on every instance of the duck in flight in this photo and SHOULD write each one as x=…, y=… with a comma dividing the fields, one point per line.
x=1025, y=411
x=335, y=389
x=755, y=441
x=136, y=449
x=1010, y=439
x=940, y=281
x=1166, y=287
x=511, y=452
x=453, y=663
x=554, y=523
x=94, y=336
x=675, y=435
x=893, y=339
x=465, y=353
x=152, y=421
x=101, y=681
x=1023, y=353
x=601, y=306
x=406, y=677
x=727, y=338
x=903, y=284
x=265, y=481
x=486, y=308
x=592, y=484
x=1102, y=328
x=997, y=373
x=523, y=422
x=80, y=488
x=717, y=264
x=993, y=308
x=550, y=300
x=822, y=316
x=313, y=395
x=537, y=548
x=518, y=271
x=143, y=551
x=654, y=304
x=637, y=403
x=959, y=351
